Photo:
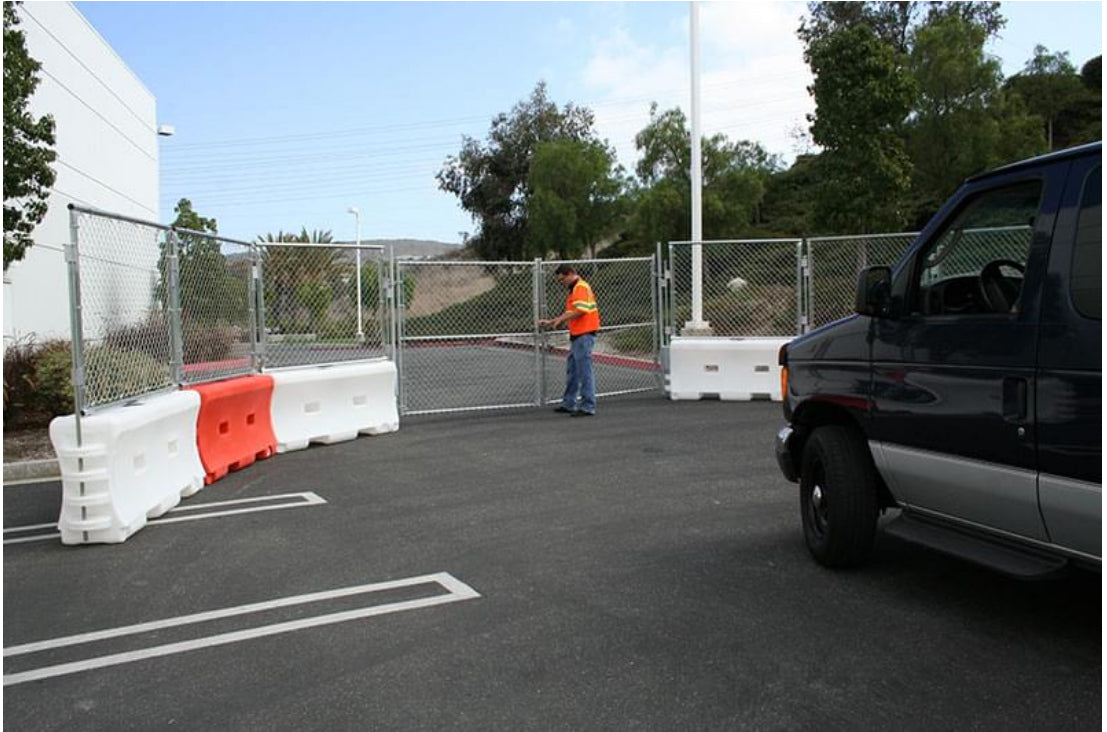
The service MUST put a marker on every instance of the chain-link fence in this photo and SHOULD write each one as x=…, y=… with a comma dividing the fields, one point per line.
x=213, y=303
x=121, y=333
x=832, y=265
x=469, y=336
x=154, y=307
x=750, y=287
x=322, y=303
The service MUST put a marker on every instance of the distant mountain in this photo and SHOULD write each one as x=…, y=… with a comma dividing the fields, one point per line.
x=413, y=247
x=403, y=248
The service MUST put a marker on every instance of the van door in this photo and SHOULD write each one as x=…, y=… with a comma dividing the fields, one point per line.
x=1069, y=405
x=953, y=370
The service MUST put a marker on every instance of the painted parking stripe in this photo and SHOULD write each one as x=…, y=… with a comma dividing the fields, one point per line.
x=307, y=498
x=456, y=591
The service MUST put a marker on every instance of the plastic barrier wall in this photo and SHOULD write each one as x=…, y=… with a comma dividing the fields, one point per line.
x=333, y=403
x=234, y=427
x=734, y=369
x=135, y=463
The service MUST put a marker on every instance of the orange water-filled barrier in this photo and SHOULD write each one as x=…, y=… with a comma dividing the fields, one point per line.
x=234, y=428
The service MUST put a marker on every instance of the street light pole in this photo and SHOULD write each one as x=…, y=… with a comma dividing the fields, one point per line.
x=357, y=260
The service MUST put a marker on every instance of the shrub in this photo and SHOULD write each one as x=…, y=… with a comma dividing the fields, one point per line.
x=22, y=403
x=203, y=342
x=343, y=328
x=53, y=380
x=115, y=374
x=150, y=336
x=112, y=374
x=209, y=343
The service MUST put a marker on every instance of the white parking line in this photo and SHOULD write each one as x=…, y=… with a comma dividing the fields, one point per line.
x=308, y=498
x=456, y=592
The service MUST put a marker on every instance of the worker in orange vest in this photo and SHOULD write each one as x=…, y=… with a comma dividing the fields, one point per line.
x=583, y=318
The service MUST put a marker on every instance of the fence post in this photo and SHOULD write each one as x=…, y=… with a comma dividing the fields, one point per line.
x=176, y=330
x=260, y=344
x=72, y=258
x=393, y=310
x=809, y=267
x=537, y=290
x=656, y=268
x=252, y=302
x=398, y=297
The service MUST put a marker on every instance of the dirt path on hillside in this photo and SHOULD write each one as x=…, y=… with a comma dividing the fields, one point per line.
x=439, y=287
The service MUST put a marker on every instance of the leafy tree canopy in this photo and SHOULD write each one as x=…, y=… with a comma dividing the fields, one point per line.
x=210, y=292
x=1069, y=108
x=575, y=197
x=862, y=95
x=735, y=175
x=28, y=144
x=491, y=178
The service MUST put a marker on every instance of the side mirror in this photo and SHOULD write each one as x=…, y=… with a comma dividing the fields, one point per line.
x=874, y=291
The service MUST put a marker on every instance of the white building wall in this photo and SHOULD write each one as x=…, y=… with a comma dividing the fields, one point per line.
x=107, y=146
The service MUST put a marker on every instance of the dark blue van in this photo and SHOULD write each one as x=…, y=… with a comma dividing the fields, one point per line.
x=966, y=390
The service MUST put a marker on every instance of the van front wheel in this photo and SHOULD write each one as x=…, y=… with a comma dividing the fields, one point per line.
x=838, y=500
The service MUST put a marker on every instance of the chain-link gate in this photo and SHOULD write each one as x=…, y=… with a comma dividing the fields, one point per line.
x=469, y=339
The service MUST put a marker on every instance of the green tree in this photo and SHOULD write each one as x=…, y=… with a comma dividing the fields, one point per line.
x=371, y=287
x=575, y=197
x=1091, y=74
x=862, y=95
x=210, y=292
x=735, y=175
x=290, y=263
x=788, y=208
x=28, y=144
x=963, y=123
x=316, y=298
x=490, y=179
x=893, y=22
x=1051, y=89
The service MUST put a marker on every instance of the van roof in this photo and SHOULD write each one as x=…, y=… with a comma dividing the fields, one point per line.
x=1072, y=152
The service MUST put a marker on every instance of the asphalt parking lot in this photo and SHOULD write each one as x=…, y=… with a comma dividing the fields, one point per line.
x=640, y=570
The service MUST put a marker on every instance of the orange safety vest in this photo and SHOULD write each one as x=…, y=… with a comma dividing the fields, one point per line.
x=582, y=300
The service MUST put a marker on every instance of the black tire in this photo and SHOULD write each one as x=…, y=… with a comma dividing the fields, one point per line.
x=838, y=501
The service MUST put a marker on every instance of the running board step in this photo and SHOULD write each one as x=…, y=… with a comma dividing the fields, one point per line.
x=999, y=557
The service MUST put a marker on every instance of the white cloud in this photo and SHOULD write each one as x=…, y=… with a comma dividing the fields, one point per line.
x=753, y=78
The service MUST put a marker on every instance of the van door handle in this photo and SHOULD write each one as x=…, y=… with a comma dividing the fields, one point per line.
x=1015, y=398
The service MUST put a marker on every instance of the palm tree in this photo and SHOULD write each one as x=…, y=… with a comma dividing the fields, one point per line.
x=292, y=263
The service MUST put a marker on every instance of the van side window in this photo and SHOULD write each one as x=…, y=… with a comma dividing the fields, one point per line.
x=976, y=265
x=1087, y=277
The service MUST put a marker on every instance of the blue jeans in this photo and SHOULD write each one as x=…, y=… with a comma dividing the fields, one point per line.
x=579, y=379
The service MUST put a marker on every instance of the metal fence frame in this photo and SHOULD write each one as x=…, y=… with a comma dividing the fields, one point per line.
x=536, y=339
x=716, y=248
x=255, y=334
x=259, y=343
x=268, y=341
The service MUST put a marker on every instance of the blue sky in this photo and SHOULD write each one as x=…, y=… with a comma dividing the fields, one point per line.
x=288, y=113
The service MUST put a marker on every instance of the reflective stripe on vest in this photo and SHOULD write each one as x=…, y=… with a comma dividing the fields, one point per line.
x=583, y=301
